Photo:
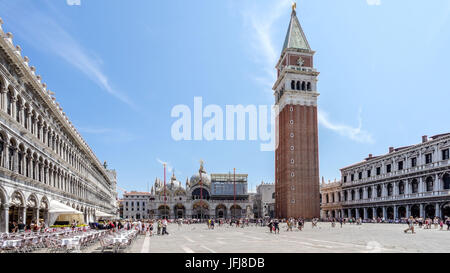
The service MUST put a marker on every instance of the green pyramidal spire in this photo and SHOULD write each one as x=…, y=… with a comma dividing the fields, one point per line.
x=295, y=38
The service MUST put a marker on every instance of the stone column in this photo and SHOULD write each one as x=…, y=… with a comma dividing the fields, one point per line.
x=374, y=212
x=437, y=183
x=4, y=218
x=421, y=187
x=36, y=215
x=384, y=213
x=23, y=214
x=437, y=210
x=395, y=212
x=3, y=97
x=349, y=211
x=342, y=213
x=421, y=211
x=365, y=213
x=365, y=193
x=357, y=213
x=408, y=211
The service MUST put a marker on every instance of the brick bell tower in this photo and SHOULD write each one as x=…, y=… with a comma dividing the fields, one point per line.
x=297, y=152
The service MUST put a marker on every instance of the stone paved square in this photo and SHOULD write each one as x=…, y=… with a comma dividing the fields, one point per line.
x=366, y=238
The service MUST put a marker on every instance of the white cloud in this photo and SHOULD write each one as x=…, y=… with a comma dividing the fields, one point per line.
x=260, y=26
x=45, y=33
x=356, y=134
x=109, y=135
x=168, y=166
x=73, y=2
x=373, y=2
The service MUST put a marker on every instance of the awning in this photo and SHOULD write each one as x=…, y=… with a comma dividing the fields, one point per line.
x=100, y=213
x=60, y=208
x=57, y=208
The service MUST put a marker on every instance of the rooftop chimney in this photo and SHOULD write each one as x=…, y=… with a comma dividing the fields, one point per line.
x=424, y=139
x=391, y=149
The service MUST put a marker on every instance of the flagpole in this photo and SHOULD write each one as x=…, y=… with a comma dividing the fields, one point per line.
x=234, y=186
x=165, y=206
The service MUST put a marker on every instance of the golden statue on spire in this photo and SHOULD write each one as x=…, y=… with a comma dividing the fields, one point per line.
x=294, y=6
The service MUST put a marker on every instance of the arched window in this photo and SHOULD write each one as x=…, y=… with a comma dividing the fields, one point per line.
x=378, y=191
x=298, y=85
x=11, y=154
x=401, y=188
x=390, y=189
x=198, y=192
x=303, y=86
x=293, y=85
x=21, y=157
x=415, y=186
x=446, y=180
x=429, y=182
x=353, y=194
x=18, y=107
x=25, y=118
x=308, y=86
x=326, y=198
x=361, y=193
x=8, y=103
x=369, y=192
x=345, y=196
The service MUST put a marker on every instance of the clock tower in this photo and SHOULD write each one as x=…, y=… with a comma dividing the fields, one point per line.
x=297, y=152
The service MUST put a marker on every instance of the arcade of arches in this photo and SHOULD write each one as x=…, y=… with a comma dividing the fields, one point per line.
x=398, y=211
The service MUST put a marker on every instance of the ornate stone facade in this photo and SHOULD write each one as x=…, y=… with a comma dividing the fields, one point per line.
x=203, y=196
x=330, y=200
x=42, y=156
x=297, y=151
x=408, y=181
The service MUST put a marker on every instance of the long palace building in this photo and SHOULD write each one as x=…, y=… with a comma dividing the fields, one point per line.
x=297, y=151
x=46, y=168
x=407, y=181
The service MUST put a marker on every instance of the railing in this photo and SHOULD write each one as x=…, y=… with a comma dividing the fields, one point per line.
x=398, y=197
x=400, y=172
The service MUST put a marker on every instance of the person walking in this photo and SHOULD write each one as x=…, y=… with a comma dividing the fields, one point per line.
x=410, y=225
x=164, y=227
x=277, y=226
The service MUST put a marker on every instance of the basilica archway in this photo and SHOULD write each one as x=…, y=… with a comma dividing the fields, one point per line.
x=200, y=210
x=221, y=211
x=200, y=193
x=236, y=211
x=179, y=211
x=164, y=211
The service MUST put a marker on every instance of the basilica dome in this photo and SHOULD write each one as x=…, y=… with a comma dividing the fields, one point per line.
x=195, y=179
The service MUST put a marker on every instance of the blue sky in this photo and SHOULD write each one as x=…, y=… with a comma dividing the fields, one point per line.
x=119, y=67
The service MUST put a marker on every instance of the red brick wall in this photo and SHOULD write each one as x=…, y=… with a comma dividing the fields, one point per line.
x=306, y=163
